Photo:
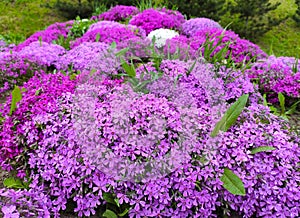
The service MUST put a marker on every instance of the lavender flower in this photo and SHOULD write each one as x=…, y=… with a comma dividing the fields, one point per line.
x=80, y=57
x=190, y=27
x=151, y=19
x=106, y=35
x=277, y=74
x=118, y=13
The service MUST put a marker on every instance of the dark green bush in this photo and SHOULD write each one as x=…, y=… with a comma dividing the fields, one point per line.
x=251, y=19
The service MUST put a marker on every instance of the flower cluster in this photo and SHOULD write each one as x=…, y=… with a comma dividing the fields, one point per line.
x=118, y=13
x=277, y=74
x=137, y=47
x=240, y=50
x=161, y=35
x=44, y=53
x=151, y=19
x=80, y=57
x=53, y=32
x=106, y=35
x=179, y=48
x=111, y=24
x=41, y=92
x=16, y=69
x=190, y=27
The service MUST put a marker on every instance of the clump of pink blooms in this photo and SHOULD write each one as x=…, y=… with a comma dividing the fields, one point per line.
x=278, y=74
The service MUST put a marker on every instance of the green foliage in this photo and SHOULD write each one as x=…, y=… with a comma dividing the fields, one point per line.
x=71, y=9
x=230, y=115
x=296, y=16
x=232, y=183
x=145, y=4
x=251, y=18
x=281, y=111
x=113, y=207
x=79, y=27
x=16, y=97
x=212, y=9
x=262, y=149
x=15, y=183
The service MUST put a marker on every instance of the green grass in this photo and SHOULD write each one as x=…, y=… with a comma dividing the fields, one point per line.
x=21, y=18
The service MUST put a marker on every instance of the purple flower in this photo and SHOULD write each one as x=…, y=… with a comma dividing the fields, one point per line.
x=118, y=13
x=152, y=19
x=190, y=27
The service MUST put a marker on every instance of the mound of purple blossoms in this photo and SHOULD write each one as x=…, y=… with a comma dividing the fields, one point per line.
x=152, y=19
x=106, y=35
x=190, y=27
x=118, y=13
x=80, y=57
x=51, y=33
x=44, y=53
x=277, y=74
x=15, y=69
x=240, y=50
x=104, y=116
x=111, y=24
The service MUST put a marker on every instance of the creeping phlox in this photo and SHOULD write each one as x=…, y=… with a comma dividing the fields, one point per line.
x=110, y=124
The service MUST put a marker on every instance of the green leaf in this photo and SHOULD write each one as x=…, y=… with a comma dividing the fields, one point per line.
x=16, y=97
x=113, y=45
x=292, y=109
x=230, y=115
x=262, y=149
x=109, y=214
x=122, y=52
x=232, y=183
x=123, y=213
x=129, y=69
x=97, y=37
x=13, y=183
x=109, y=198
x=281, y=99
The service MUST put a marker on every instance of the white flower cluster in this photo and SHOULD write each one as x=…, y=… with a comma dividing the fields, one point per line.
x=161, y=36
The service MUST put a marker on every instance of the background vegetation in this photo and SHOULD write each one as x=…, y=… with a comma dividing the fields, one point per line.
x=21, y=18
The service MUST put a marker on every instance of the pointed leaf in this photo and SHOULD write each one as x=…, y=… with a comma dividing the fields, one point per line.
x=230, y=115
x=232, y=183
x=16, y=97
x=123, y=213
x=109, y=214
x=13, y=183
x=262, y=148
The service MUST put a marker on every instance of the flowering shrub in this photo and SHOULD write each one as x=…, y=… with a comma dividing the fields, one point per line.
x=278, y=74
x=152, y=19
x=118, y=13
x=190, y=27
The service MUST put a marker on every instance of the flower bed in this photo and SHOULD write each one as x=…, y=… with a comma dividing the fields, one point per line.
x=159, y=118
